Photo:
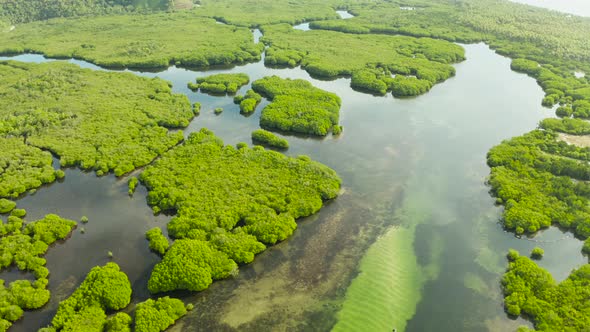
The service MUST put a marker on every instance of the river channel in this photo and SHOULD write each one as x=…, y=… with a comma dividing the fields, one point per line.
x=412, y=243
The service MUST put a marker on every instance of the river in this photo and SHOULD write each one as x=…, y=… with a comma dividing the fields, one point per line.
x=415, y=213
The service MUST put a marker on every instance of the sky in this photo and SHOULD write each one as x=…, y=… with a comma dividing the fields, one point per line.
x=576, y=7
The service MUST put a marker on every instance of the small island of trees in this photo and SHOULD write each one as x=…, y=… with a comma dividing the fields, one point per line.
x=267, y=138
x=297, y=106
x=220, y=83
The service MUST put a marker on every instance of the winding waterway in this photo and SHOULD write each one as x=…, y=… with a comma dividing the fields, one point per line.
x=415, y=221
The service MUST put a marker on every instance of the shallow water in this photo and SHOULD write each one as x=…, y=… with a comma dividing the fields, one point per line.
x=302, y=27
x=412, y=164
x=344, y=14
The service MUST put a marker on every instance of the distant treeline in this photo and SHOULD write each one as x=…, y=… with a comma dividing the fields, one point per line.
x=21, y=11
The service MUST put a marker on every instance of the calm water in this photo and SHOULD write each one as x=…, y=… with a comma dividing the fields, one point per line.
x=414, y=164
x=576, y=7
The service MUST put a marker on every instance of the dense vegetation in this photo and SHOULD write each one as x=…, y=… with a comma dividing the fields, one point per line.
x=132, y=185
x=6, y=205
x=120, y=322
x=158, y=242
x=371, y=60
x=95, y=120
x=297, y=106
x=19, y=11
x=537, y=253
x=191, y=265
x=551, y=45
x=253, y=13
x=110, y=122
x=24, y=247
x=220, y=83
x=22, y=167
x=248, y=102
x=567, y=126
x=152, y=41
x=560, y=86
x=228, y=202
x=541, y=181
x=531, y=291
x=264, y=137
x=105, y=288
x=158, y=315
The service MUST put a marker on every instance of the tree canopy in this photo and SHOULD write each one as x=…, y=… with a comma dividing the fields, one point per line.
x=19, y=11
x=101, y=121
x=541, y=181
x=105, y=288
x=220, y=83
x=264, y=137
x=531, y=291
x=228, y=202
x=158, y=315
x=24, y=248
x=297, y=106
x=147, y=41
x=371, y=60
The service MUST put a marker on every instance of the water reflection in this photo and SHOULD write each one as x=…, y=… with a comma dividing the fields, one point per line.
x=302, y=27
x=344, y=14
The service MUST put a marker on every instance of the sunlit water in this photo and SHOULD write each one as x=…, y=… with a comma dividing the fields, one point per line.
x=413, y=163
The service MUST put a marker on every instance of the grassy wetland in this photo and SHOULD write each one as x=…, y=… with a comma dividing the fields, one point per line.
x=136, y=41
x=382, y=225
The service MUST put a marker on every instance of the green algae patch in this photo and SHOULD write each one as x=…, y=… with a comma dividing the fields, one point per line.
x=407, y=66
x=138, y=41
x=229, y=203
x=95, y=120
x=220, y=83
x=385, y=294
x=297, y=106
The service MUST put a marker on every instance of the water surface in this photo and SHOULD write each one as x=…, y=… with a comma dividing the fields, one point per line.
x=415, y=165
